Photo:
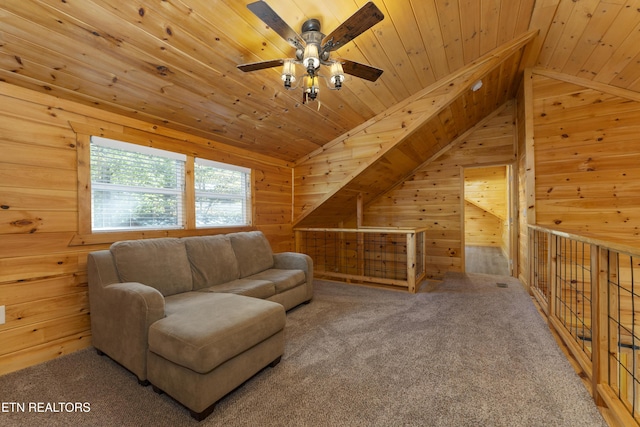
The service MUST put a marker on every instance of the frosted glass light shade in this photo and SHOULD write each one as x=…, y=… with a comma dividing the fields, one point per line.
x=311, y=58
x=337, y=74
x=289, y=71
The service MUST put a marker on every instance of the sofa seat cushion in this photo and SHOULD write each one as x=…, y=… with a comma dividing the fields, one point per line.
x=160, y=263
x=212, y=260
x=282, y=279
x=213, y=329
x=182, y=302
x=248, y=287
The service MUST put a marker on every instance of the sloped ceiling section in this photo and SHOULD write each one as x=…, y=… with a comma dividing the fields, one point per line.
x=173, y=63
x=373, y=157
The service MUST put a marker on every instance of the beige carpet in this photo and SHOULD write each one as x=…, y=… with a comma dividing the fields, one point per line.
x=467, y=353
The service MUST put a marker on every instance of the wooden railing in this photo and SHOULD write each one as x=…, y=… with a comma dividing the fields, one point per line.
x=590, y=291
x=393, y=257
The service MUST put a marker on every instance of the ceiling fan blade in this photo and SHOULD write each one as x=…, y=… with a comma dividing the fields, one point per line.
x=254, y=66
x=263, y=11
x=363, y=71
x=366, y=17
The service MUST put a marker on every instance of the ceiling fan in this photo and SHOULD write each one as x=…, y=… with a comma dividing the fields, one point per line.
x=313, y=49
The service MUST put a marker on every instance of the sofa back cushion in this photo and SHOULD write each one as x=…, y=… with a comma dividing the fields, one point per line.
x=253, y=252
x=160, y=263
x=212, y=259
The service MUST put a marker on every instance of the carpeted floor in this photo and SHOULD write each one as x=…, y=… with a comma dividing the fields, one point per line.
x=466, y=353
x=485, y=260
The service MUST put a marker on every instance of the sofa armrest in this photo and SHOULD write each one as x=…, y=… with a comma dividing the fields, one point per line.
x=120, y=323
x=121, y=314
x=294, y=261
x=297, y=261
x=141, y=303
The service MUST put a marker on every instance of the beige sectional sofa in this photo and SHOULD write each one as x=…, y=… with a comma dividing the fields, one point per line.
x=195, y=316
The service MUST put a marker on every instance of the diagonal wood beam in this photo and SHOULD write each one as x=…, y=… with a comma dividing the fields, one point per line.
x=321, y=174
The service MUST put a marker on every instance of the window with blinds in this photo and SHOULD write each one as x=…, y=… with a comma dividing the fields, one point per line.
x=135, y=187
x=223, y=196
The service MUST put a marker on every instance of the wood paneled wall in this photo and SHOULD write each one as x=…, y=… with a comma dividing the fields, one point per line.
x=486, y=187
x=523, y=173
x=43, y=281
x=432, y=197
x=486, y=210
x=482, y=228
x=587, y=158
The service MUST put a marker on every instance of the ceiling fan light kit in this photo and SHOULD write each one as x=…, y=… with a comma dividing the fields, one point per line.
x=313, y=49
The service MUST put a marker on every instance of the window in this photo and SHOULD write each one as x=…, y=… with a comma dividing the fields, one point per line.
x=222, y=194
x=135, y=187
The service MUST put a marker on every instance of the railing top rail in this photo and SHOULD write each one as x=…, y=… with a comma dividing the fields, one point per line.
x=395, y=230
x=618, y=247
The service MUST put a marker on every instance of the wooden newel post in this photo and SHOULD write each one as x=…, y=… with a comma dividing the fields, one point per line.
x=411, y=262
x=553, y=258
x=600, y=313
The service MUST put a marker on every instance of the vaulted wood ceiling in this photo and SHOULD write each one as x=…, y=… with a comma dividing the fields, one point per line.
x=173, y=62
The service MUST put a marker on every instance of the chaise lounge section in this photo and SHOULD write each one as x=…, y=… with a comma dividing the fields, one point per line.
x=196, y=316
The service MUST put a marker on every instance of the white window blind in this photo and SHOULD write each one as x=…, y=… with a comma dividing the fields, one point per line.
x=223, y=194
x=135, y=187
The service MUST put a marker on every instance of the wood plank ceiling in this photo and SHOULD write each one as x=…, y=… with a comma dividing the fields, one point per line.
x=173, y=62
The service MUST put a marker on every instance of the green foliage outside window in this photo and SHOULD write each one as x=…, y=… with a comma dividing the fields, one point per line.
x=136, y=187
x=135, y=190
x=221, y=196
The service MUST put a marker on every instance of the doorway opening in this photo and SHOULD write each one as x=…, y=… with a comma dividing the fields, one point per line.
x=487, y=220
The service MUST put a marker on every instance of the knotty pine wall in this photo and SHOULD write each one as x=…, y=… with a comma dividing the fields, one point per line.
x=482, y=228
x=43, y=281
x=587, y=158
x=486, y=210
x=523, y=173
x=432, y=196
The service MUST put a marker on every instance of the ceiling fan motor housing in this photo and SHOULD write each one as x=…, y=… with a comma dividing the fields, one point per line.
x=311, y=33
x=310, y=25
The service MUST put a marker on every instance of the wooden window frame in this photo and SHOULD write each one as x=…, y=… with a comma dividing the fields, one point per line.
x=85, y=234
